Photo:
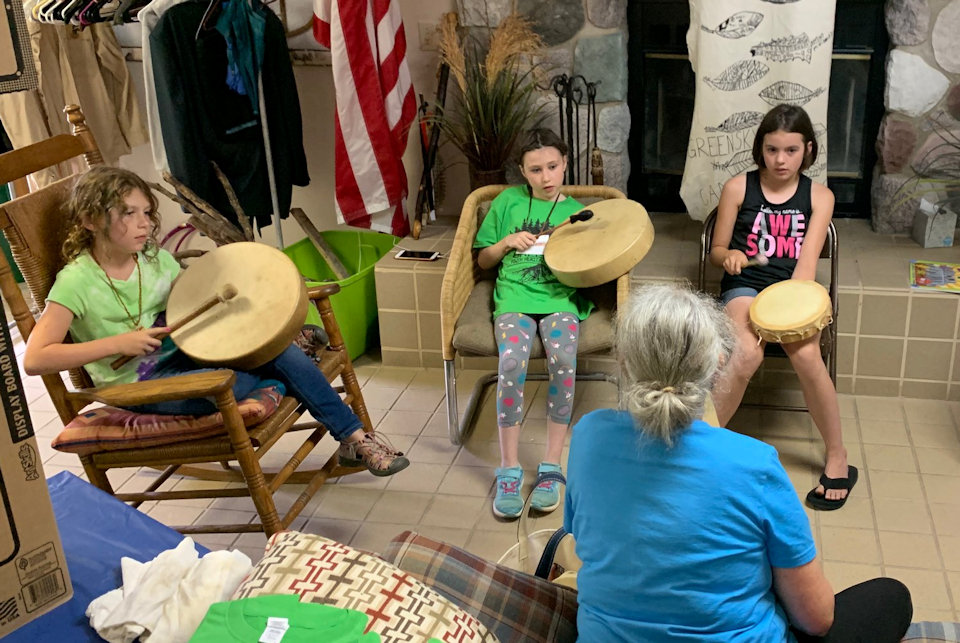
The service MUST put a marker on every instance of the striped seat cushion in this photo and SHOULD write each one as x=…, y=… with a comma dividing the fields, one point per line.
x=107, y=428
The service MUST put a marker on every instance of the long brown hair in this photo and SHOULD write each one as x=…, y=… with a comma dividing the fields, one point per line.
x=98, y=193
x=791, y=119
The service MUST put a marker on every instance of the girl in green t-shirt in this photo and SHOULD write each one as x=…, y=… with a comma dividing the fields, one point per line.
x=111, y=297
x=528, y=297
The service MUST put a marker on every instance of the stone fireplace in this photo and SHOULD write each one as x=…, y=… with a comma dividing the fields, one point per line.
x=914, y=76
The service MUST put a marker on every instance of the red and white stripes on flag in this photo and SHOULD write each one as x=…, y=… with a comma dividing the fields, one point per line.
x=375, y=107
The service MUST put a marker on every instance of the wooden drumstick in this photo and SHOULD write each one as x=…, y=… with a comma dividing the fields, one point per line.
x=758, y=260
x=229, y=291
x=583, y=215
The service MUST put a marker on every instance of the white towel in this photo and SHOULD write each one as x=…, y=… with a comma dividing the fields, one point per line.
x=164, y=600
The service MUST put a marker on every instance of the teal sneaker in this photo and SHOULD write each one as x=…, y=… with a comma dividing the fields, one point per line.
x=546, y=495
x=508, y=502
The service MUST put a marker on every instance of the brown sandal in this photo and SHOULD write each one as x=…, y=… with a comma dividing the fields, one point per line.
x=375, y=453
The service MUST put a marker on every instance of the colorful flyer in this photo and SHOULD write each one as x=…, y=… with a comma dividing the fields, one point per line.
x=932, y=275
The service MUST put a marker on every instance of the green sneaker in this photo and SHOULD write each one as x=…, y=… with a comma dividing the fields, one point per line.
x=546, y=495
x=508, y=502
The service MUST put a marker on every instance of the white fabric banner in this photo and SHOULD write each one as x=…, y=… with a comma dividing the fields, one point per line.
x=749, y=56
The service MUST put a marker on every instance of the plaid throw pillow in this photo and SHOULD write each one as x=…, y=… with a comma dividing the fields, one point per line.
x=399, y=607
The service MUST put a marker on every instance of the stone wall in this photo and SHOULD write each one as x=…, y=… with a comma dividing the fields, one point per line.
x=922, y=85
x=587, y=38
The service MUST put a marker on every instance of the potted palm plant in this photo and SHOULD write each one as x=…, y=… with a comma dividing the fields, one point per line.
x=496, y=95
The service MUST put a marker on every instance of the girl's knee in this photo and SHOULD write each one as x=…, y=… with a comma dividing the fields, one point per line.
x=747, y=359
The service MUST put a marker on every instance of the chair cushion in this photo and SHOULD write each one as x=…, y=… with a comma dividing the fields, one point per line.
x=319, y=570
x=515, y=606
x=473, y=333
x=107, y=428
x=931, y=631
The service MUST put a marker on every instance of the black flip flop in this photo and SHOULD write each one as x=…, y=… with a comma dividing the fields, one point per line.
x=817, y=501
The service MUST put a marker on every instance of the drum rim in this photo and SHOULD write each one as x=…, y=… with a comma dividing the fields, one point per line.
x=796, y=331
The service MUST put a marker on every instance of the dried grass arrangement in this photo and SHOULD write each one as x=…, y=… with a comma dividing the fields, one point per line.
x=496, y=97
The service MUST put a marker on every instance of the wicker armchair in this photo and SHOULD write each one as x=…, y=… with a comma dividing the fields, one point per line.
x=466, y=307
x=33, y=227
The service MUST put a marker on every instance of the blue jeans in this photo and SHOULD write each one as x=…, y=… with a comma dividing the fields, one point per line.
x=297, y=372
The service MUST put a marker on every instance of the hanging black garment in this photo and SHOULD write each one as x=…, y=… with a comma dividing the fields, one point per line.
x=202, y=119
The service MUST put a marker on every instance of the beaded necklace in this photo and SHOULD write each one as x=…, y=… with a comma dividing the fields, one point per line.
x=135, y=322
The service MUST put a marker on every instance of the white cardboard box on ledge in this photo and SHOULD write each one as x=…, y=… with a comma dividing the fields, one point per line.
x=933, y=226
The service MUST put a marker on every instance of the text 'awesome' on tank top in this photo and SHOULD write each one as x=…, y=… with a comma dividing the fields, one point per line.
x=776, y=231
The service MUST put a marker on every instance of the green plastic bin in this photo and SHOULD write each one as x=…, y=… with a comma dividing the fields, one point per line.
x=356, y=304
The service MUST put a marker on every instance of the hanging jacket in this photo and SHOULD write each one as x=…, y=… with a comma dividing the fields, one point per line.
x=202, y=119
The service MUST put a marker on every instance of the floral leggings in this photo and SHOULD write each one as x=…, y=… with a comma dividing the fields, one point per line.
x=560, y=333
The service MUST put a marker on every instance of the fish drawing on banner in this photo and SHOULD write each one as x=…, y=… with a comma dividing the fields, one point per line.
x=820, y=133
x=737, y=122
x=737, y=25
x=796, y=47
x=783, y=91
x=739, y=75
x=736, y=163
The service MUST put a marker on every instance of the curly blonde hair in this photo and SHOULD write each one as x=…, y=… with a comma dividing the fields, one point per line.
x=100, y=191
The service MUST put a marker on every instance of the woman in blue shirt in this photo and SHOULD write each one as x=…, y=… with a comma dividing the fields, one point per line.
x=688, y=532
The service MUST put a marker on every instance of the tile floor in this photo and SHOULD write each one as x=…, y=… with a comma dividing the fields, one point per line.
x=903, y=519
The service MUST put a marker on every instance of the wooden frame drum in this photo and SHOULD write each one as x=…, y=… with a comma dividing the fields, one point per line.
x=593, y=252
x=253, y=327
x=790, y=311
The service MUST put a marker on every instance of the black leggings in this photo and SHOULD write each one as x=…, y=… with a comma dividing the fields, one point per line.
x=876, y=611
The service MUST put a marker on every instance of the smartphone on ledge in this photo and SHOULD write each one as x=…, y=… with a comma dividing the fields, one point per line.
x=418, y=255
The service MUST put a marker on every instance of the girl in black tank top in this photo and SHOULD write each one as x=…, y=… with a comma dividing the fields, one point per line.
x=779, y=213
x=775, y=231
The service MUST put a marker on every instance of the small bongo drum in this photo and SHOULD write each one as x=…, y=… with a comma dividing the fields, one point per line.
x=600, y=249
x=253, y=327
x=790, y=311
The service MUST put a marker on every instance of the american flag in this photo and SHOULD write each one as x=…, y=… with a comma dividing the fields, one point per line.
x=375, y=106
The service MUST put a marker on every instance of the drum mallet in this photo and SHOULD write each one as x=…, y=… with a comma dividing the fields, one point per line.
x=758, y=260
x=583, y=215
x=229, y=291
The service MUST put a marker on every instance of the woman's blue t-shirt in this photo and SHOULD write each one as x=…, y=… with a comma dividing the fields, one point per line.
x=677, y=543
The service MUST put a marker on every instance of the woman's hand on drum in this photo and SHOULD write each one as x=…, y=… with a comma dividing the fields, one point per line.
x=734, y=262
x=520, y=241
x=139, y=342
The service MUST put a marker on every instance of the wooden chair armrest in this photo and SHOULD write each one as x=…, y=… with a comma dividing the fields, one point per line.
x=323, y=290
x=178, y=387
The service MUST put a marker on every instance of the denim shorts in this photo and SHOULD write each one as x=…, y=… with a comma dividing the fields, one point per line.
x=733, y=293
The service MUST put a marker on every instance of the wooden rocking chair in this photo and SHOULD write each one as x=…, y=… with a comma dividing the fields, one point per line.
x=33, y=226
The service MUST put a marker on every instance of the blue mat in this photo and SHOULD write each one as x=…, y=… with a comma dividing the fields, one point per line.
x=96, y=530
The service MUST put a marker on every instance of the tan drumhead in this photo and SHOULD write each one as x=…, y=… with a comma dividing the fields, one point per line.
x=790, y=310
x=590, y=253
x=257, y=324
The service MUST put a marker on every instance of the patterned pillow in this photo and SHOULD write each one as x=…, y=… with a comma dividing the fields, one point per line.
x=107, y=428
x=933, y=631
x=515, y=606
x=400, y=607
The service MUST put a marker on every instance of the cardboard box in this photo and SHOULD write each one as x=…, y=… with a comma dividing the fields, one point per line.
x=33, y=570
x=933, y=227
